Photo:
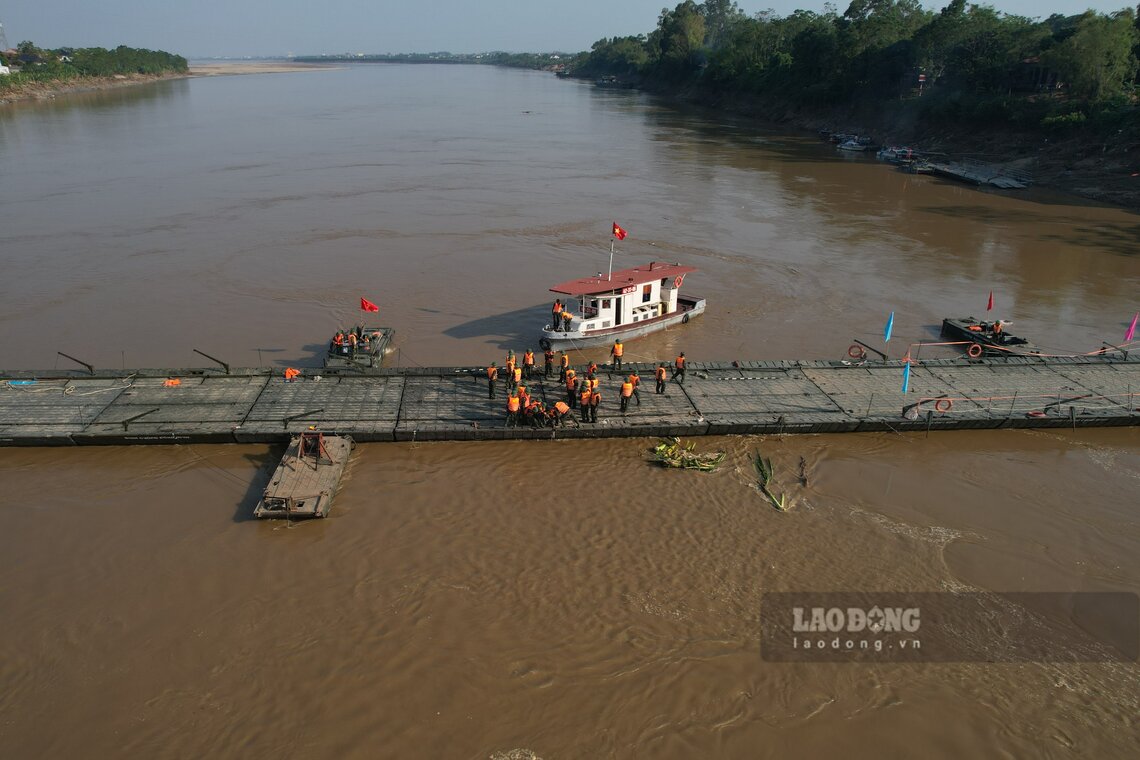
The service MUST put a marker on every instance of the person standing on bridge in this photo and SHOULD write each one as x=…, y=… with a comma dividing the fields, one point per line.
x=595, y=400
x=626, y=392
x=636, y=380
x=563, y=365
x=616, y=351
x=513, y=406
x=492, y=376
x=548, y=356
x=584, y=401
x=528, y=363
x=679, y=369
x=571, y=386
x=661, y=378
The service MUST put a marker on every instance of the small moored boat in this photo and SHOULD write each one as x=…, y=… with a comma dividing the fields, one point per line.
x=306, y=479
x=625, y=304
x=359, y=347
x=991, y=342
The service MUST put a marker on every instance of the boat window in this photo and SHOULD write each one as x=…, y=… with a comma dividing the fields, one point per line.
x=605, y=303
x=646, y=293
x=664, y=281
x=605, y=324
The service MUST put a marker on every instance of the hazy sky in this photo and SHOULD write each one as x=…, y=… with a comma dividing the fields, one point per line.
x=205, y=28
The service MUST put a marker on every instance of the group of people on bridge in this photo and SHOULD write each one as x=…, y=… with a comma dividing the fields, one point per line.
x=583, y=390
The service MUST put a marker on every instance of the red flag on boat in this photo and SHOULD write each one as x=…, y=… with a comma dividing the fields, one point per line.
x=990, y=303
x=367, y=305
x=619, y=233
x=1128, y=336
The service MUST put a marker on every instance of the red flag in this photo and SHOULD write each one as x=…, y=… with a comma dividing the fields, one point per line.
x=990, y=304
x=619, y=233
x=367, y=305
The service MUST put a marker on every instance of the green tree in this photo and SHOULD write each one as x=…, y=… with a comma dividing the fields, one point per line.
x=1097, y=60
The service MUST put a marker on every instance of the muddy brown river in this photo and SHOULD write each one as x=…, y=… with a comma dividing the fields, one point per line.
x=555, y=599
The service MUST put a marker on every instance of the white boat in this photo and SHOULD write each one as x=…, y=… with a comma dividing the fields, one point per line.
x=624, y=304
x=857, y=144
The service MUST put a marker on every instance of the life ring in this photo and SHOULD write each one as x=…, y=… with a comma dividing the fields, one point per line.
x=685, y=319
x=855, y=351
x=677, y=282
x=974, y=351
x=544, y=344
x=943, y=405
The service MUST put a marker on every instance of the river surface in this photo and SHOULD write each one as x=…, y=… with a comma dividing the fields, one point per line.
x=566, y=598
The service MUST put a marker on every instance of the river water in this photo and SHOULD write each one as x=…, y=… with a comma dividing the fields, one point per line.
x=496, y=599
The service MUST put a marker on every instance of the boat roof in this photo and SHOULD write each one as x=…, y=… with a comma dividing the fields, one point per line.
x=654, y=270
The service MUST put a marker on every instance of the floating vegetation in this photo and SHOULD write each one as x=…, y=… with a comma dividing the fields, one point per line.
x=672, y=453
x=764, y=471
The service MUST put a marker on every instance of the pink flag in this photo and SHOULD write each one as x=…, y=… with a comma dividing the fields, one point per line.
x=990, y=304
x=1128, y=336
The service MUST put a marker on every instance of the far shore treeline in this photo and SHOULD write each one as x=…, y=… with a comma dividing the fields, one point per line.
x=966, y=65
x=33, y=65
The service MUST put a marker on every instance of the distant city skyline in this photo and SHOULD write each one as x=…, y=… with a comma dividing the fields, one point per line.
x=273, y=28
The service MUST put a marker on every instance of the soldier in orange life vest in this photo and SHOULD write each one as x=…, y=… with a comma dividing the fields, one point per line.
x=556, y=315
x=626, y=392
x=595, y=400
x=679, y=368
x=513, y=406
x=661, y=378
x=548, y=355
x=535, y=413
x=524, y=395
x=566, y=317
x=517, y=378
x=571, y=386
x=352, y=344
x=560, y=414
x=616, y=351
x=492, y=376
x=528, y=363
x=592, y=369
x=584, y=401
x=636, y=380
x=564, y=364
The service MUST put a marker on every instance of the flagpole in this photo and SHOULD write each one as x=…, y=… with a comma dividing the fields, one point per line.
x=610, y=276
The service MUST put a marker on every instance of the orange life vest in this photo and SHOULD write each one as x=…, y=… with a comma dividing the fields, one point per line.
x=679, y=362
x=571, y=383
x=660, y=373
x=557, y=308
x=593, y=383
x=291, y=373
x=626, y=389
x=549, y=357
x=635, y=379
x=513, y=404
x=595, y=397
x=562, y=407
x=528, y=358
x=617, y=350
x=338, y=339
x=584, y=396
x=565, y=360
x=518, y=374
x=492, y=373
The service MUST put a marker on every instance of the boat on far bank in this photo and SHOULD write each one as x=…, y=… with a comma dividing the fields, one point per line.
x=625, y=304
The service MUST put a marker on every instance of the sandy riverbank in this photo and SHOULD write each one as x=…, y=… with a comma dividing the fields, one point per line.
x=47, y=90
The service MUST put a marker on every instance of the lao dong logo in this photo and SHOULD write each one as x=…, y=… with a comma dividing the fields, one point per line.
x=855, y=620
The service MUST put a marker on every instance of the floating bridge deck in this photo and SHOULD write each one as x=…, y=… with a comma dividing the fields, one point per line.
x=451, y=403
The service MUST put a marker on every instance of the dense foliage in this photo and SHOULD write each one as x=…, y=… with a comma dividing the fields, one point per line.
x=32, y=64
x=968, y=63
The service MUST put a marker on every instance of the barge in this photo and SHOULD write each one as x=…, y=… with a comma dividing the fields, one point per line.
x=990, y=338
x=307, y=477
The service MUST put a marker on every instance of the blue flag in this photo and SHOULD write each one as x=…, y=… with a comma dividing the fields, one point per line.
x=906, y=377
x=888, y=328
